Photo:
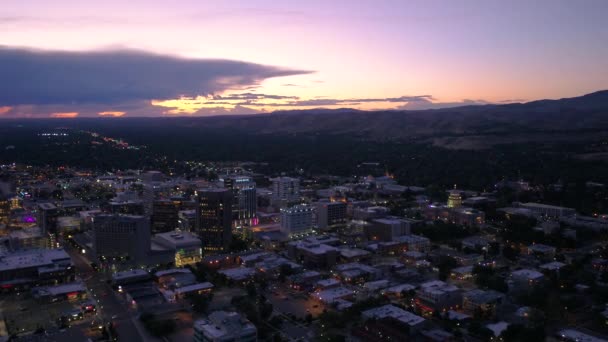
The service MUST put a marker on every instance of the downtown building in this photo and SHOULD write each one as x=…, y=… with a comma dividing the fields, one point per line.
x=214, y=219
x=244, y=208
x=25, y=269
x=330, y=213
x=224, y=326
x=121, y=238
x=285, y=190
x=297, y=220
x=165, y=213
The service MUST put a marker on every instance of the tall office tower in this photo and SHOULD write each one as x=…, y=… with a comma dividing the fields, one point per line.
x=244, y=206
x=297, y=220
x=151, y=181
x=214, y=219
x=165, y=213
x=285, y=190
x=47, y=217
x=330, y=213
x=121, y=238
x=5, y=210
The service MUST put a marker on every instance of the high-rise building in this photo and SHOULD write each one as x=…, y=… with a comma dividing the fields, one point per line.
x=225, y=326
x=297, y=220
x=285, y=190
x=244, y=206
x=165, y=215
x=121, y=238
x=214, y=219
x=5, y=209
x=330, y=213
x=47, y=217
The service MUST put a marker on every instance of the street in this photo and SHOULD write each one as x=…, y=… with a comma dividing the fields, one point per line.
x=110, y=308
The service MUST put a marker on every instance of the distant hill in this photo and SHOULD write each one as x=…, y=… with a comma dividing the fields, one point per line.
x=588, y=112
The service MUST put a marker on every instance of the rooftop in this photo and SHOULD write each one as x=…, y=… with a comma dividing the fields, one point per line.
x=32, y=258
x=394, y=312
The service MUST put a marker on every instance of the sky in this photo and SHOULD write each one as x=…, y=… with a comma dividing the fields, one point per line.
x=68, y=58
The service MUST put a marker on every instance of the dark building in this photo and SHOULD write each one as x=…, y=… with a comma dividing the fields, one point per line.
x=5, y=209
x=125, y=207
x=165, y=215
x=214, y=219
x=330, y=213
x=47, y=217
x=121, y=238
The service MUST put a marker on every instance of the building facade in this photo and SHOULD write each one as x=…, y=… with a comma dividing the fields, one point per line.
x=121, y=238
x=297, y=220
x=214, y=219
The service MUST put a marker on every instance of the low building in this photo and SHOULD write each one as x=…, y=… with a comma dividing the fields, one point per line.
x=221, y=326
x=548, y=210
x=541, y=250
x=130, y=277
x=526, y=278
x=29, y=238
x=187, y=247
x=356, y=273
x=24, y=269
x=414, y=322
x=239, y=274
x=438, y=295
x=387, y=229
x=329, y=296
x=312, y=254
x=71, y=291
x=482, y=304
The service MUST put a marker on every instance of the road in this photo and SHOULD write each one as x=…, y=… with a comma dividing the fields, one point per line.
x=109, y=306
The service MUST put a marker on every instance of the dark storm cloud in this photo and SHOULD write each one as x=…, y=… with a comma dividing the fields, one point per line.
x=253, y=96
x=33, y=77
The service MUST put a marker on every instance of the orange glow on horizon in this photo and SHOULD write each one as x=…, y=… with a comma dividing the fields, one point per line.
x=114, y=114
x=65, y=115
x=5, y=109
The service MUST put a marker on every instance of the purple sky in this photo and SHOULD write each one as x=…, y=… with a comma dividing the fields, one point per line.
x=153, y=57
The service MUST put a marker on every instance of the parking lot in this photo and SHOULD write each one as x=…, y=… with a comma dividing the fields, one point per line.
x=23, y=314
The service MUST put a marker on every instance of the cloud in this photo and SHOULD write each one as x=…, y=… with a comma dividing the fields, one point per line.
x=64, y=115
x=425, y=103
x=252, y=96
x=5, y=109
x=237, y=110
x=35, y=77
x=113, y=114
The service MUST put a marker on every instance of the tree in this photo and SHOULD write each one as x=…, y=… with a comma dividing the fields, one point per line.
x=308, y=318
x=251, y=290
x=199, y=302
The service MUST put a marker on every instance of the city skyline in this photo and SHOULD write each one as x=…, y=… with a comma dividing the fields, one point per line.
x=234, y=57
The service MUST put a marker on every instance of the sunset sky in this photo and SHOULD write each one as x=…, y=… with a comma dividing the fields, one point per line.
x=109, y=58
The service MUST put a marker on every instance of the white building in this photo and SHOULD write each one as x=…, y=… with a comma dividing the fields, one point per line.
x=225, y=326
x=297, y=220
x=285, y=190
